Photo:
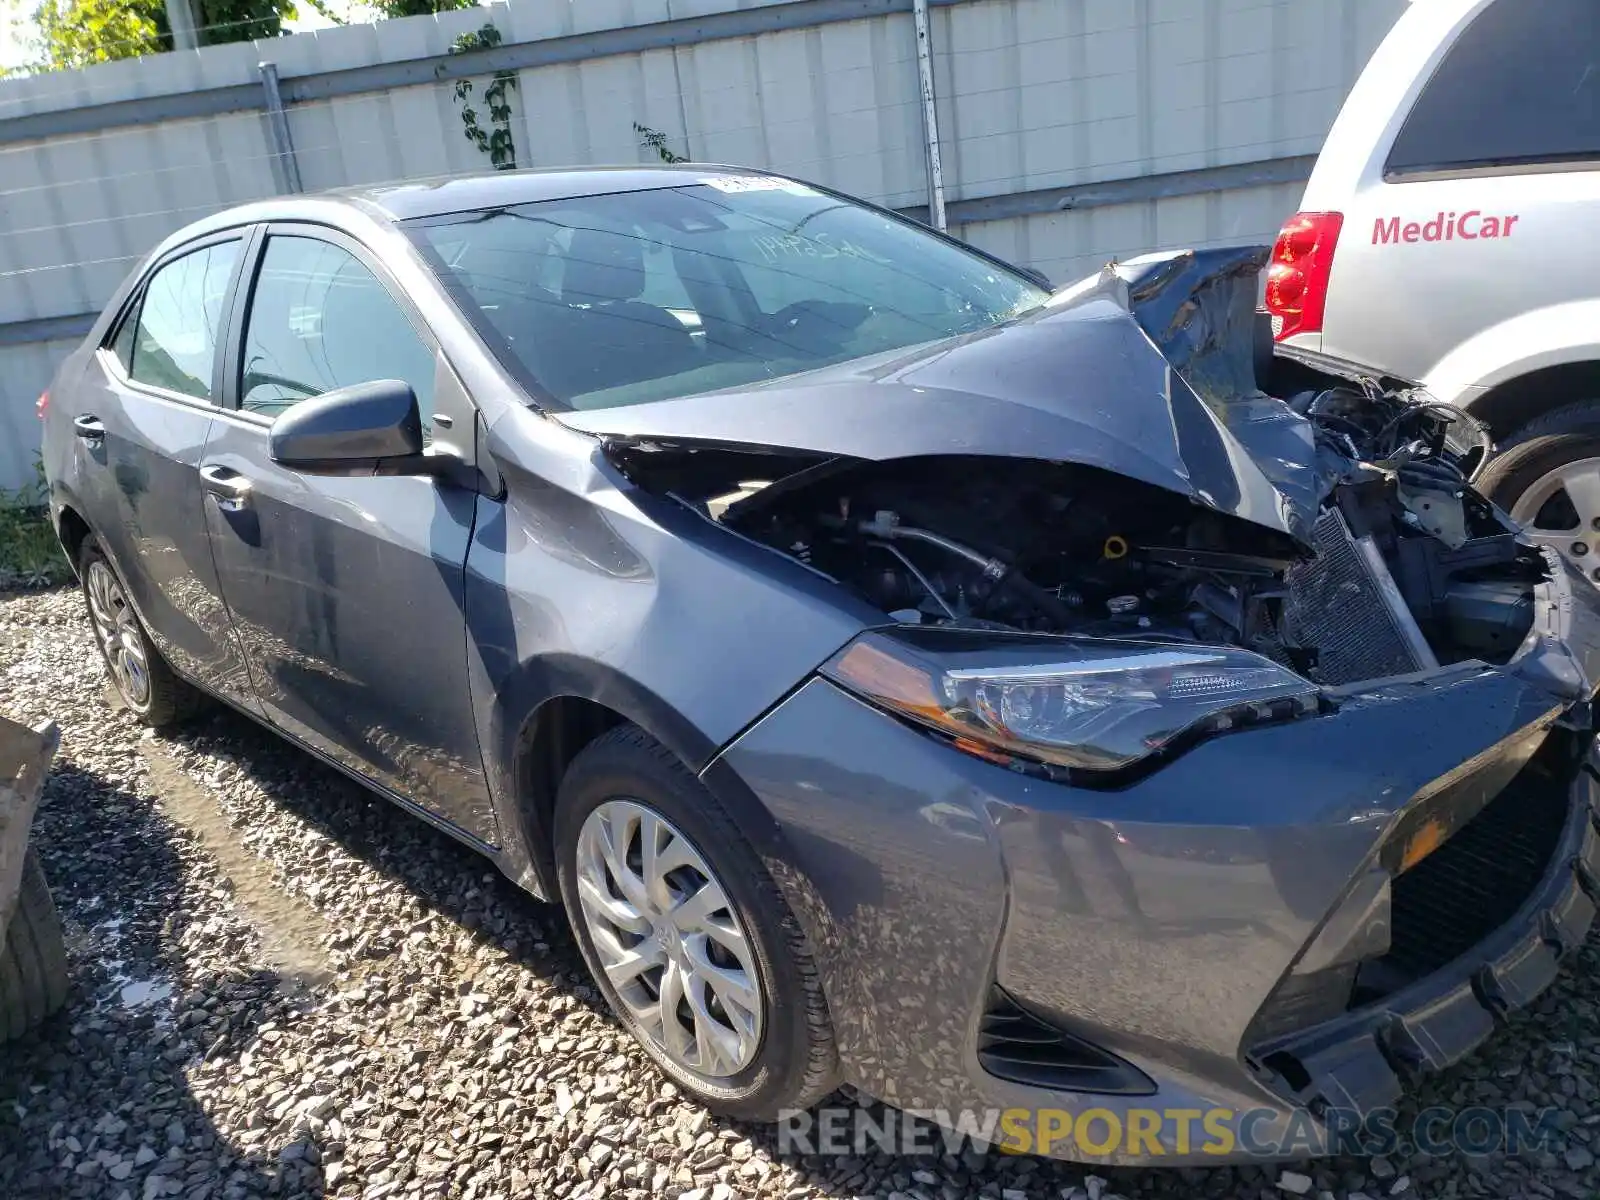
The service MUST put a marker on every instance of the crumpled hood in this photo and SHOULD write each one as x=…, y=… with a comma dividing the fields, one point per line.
x=1146, y=370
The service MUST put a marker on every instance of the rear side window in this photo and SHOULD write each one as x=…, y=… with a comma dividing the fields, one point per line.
x=320, y=320
x=1521, y=86
x=174, y=345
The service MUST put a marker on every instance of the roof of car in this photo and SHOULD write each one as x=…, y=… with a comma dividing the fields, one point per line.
x=386, y=202
x=493, y=189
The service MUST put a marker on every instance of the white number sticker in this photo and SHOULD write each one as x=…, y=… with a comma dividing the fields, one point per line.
x=732, y=184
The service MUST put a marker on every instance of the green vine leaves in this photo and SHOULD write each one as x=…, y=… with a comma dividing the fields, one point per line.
x=494, y=137
x=495, y=141
x=654, y=139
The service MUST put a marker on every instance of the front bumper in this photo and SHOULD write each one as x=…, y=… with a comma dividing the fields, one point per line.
x=1155, y=922
x=1361, y=1062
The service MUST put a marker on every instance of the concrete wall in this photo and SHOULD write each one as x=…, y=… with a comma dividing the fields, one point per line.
x=1158, y=122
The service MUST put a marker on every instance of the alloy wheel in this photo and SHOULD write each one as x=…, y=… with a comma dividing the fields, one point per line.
x=117, y=627
x=1561, y=510
x=668, y=939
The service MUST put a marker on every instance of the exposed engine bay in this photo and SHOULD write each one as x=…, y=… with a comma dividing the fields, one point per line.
x=1410, y=568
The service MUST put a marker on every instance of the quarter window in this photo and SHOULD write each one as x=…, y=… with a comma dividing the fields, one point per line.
x=320, y=320
x=122, y=345
x=175, y=343
x=1521, y=86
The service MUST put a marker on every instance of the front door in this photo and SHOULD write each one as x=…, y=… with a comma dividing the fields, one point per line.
x=143, y=417
x=346, y=592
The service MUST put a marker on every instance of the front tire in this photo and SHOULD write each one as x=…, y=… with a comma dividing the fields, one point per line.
x=149, y=688
x=686, y=935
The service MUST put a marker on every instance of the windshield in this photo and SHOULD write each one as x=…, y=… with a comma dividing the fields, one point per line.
x=602, y=301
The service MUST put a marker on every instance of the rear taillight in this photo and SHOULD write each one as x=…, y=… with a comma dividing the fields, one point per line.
x=42, y=405
x=1297, y=278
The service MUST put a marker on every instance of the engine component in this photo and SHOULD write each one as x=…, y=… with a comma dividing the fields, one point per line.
x=1488, y=618
x=1431, y=493
x=1344, y=605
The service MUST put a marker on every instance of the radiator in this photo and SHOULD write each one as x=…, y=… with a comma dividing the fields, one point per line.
x=1345, y=606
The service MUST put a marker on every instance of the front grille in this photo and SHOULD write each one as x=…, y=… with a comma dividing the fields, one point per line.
x=1473, y=884
x=1015, y=1044
x=1336, y=605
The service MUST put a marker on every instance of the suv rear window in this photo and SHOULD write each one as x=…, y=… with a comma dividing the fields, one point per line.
x=1521, y=86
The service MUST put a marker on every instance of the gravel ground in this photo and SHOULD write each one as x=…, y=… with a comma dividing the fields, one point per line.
x=282, y=986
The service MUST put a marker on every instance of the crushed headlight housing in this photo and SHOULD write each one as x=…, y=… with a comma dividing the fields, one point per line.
x=1082, y=703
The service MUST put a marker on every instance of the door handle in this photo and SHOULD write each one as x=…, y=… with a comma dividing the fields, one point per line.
x=89, y=428
x=231, y=489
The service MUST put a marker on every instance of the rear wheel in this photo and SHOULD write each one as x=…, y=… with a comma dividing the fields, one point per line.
x=144, y=681
x=33, y=957
x=686, y=934
x=1548, y=478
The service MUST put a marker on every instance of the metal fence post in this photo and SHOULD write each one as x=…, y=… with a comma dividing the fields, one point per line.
x=181, y=19
x=284, y=165
x=930, y=113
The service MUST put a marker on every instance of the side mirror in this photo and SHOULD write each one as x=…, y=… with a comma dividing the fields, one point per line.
x=363, y=429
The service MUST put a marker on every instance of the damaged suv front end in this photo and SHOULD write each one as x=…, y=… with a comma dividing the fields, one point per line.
x=1212, y=751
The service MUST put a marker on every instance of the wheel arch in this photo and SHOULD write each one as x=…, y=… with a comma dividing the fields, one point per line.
x=1516, y=371
x=1510, y=405
x=552, y=708
x=72, y=531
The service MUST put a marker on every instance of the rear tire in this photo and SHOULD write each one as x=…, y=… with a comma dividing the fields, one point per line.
x=149, y=688
x=33, y=957
x=793, y=1063
x=1530, y=477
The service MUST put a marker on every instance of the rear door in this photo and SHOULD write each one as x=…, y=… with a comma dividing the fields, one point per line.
x=141, y=418
x=346, y=592
x=1483, y=205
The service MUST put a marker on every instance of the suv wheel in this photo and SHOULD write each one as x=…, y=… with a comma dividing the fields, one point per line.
x=686, y=934
x=144, y=681
x=1548, y=478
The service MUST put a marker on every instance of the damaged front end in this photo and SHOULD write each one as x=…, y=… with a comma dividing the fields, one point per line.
x=1212, y=557
x=1089, y=549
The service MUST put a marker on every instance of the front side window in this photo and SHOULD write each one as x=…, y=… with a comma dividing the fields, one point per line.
x=1521, y=86
x=173, y=345
x=320, y=320
x=621, y=299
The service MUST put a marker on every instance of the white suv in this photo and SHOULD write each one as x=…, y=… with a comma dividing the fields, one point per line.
x=1450, y=235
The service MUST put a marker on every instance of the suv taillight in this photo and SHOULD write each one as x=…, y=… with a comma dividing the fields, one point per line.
x=42, y=405
x=1297, y=278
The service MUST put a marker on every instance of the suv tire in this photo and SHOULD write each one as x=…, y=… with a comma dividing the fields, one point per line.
x=1525, y=479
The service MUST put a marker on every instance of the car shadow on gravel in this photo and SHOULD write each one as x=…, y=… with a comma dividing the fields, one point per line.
x=444, y=876
x=96, y=1102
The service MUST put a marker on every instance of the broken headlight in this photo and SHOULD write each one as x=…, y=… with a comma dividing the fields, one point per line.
x=1081, y=703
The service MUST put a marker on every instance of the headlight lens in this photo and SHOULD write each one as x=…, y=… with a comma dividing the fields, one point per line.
x=1083, y=703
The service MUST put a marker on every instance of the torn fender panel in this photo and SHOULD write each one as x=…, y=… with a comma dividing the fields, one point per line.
x=1198, y=307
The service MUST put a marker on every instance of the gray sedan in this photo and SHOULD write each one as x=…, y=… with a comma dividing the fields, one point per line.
x=904, y=675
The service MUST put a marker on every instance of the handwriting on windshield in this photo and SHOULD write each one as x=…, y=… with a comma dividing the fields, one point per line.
x=787, y=246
